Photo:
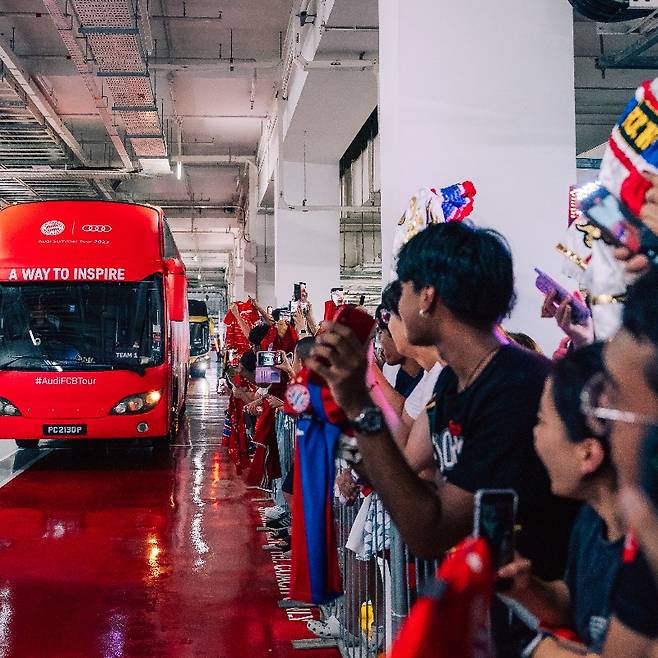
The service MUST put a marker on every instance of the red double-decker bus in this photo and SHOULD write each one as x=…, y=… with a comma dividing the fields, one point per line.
x=94, y=334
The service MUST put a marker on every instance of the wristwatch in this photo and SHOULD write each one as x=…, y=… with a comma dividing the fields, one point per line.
x=369, y=421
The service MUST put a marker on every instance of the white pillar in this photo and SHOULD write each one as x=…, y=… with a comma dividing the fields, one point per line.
x=238, y=292
x=483, y=91
x=306, y=244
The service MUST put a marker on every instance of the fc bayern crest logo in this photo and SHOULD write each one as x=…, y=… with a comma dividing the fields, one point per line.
x=298, y=397
x=53, y=227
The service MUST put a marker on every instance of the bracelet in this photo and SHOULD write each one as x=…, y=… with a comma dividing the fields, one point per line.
x=534, y=643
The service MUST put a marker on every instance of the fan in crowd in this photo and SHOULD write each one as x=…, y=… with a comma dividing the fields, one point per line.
x=444, y=403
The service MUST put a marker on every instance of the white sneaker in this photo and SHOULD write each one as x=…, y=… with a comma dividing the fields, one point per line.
x=328, y=628
x=275, y=512
x=332, y=628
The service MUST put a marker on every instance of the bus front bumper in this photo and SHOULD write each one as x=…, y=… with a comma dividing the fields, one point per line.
x=135, y=426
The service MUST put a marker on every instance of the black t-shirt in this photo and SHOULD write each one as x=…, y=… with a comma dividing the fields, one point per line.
x=405, y=383
x=483, y=439
x=635, y=598
x=592, y=568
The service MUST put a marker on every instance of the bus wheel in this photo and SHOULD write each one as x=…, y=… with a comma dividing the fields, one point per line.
x=27, y=443
x=161, y=443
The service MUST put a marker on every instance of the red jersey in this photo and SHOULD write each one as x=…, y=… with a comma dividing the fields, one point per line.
x=285, y=343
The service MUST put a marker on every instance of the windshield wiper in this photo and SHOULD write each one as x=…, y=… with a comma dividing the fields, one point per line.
x=16, y=359
x=133, y=367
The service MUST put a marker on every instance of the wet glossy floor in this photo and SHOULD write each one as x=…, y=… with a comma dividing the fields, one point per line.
x=118, y=551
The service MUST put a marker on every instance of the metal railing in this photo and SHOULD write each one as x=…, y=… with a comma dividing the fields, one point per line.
x=381, y=578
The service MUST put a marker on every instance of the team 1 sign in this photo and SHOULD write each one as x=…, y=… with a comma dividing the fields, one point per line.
x=67, y=274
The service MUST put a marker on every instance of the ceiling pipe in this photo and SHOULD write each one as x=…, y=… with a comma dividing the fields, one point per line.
x=180, y=17
x=252, y=94
x=211, y=64
x=32, y=174
x=39, y=101
x=69, y=27
x=192, y=205
x=336, y=64
x=348, y=28
x=146, y=31
x=214, y=159
x=359, y=209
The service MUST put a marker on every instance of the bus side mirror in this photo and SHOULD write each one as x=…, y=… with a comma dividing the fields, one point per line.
x=177, y=284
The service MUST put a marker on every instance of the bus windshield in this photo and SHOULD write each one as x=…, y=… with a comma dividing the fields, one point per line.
x=199, y=338
x=81, y=326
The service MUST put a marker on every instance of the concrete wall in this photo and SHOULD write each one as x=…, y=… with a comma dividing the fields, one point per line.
x=483, y=91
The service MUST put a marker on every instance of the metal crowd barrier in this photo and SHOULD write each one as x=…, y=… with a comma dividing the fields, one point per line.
x=381, y=578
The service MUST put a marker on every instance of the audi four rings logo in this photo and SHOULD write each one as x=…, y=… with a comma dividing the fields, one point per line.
x=96, y=228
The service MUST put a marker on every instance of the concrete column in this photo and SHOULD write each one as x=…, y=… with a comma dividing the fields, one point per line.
x=263, y=238
x=237, y=289
x=306, y=244
x=483, y=91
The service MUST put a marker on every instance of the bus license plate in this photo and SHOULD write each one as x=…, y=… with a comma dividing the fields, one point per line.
x=64, y=430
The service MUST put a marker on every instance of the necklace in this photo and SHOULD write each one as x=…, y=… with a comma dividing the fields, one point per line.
x=484, y=362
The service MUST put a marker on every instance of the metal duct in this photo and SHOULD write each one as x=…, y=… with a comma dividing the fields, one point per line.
x=607, y=11
x=27, y=140
x=110, y=28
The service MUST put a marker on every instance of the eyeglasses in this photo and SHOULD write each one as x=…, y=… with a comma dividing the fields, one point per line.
x=595, y=399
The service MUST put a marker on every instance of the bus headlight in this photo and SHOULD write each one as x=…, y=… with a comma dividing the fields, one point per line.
x=8, y=408
x=137, y=404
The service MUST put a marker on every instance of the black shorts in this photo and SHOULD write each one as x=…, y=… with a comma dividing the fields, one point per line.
x=286, y=485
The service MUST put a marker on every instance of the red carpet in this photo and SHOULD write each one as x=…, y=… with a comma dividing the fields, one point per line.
x=121, y=552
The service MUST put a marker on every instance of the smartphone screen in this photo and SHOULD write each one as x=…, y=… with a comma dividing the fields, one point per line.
x=297, y=292
x=606, y=212
x=495, y=519
x=268, y=359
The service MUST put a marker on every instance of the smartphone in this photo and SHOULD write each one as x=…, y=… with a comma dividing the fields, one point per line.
x=285, y=313
x=297, y=294
x=617, y=224
x=360, y=322
x=546, y=284
x=337, y=296
x=269, y=359
x=495, y=520
x=268, y=375
x=362, y=300
x=649, y=465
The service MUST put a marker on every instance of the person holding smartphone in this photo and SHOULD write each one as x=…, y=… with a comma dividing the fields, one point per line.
x=579, y=464
x=628, y=403
x=457, y=285
x=281, y=335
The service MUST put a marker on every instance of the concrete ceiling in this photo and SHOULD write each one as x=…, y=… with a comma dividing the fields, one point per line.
x=602, y=95
x=221, y=103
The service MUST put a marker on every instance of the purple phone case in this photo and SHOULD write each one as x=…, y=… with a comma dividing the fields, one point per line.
x=545, y=284
x=268, y=375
